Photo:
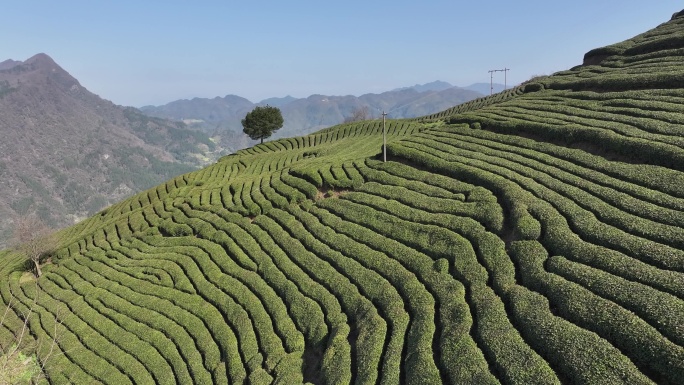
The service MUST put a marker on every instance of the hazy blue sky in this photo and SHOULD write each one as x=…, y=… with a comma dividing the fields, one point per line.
x=153, y=52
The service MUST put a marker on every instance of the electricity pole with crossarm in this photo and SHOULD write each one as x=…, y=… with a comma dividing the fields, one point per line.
x=384, y=138
x=491, y=79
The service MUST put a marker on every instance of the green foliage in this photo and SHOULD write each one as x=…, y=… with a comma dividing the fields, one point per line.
x=533, y=87
x=18, y=368
x=74, y=195
x=95, y=204
x=261, y=122
x=23, y=205
x=524, y=244
x=5, y=88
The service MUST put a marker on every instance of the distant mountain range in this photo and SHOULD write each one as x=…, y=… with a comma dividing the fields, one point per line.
x=221, y=116
x=65, y=153
x=487, y=89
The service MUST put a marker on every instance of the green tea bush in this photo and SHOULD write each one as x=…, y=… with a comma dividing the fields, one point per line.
x=174, y=306
x=373, y=286
x=661, y=310
x=308, y=189
x=589, y=358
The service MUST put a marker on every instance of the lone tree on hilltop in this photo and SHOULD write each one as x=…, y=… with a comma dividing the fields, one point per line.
x=261, y=122
x=34, y=239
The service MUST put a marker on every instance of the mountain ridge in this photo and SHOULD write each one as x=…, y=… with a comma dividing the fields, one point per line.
x=66, y=152
x=222, y=115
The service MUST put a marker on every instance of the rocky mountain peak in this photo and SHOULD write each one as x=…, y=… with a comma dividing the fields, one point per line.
x=8, y=64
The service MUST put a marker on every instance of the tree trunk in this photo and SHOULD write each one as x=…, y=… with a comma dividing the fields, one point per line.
x=262, y=140
x=38, y=271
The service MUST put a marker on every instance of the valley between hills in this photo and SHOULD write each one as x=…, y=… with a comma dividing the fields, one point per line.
x=535, y=236
x=67, y=153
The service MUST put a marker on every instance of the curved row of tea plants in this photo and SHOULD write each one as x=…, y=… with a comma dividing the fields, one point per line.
x=531, y=237
x=608, y=244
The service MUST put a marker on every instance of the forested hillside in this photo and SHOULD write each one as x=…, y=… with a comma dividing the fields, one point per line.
x=66, y=153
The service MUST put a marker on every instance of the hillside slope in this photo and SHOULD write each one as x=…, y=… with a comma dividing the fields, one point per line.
x=533, y=237
x=66, y=153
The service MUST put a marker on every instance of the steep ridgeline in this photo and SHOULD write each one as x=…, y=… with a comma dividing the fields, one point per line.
x=534, y=237
x=66, y=153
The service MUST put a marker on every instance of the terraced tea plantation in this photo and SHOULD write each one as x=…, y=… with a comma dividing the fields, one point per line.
x=534, y=237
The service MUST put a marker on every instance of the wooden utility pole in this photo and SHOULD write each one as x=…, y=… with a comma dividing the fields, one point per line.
x=384, y=138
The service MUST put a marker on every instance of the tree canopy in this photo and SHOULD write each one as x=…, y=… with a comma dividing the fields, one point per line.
x=359, y=114
x=34, y=239
x=262, y=121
